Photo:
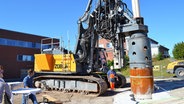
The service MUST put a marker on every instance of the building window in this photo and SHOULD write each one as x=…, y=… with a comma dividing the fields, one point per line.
x=2, y=41
x=19, y=43
x=109, y=45
x=25, y=58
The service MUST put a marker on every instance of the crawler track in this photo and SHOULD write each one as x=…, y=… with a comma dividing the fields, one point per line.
x=86, y=84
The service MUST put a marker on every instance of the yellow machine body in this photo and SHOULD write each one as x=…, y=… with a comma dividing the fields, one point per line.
x=55, y=63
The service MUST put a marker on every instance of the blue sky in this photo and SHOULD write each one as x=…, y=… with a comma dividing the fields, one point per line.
x=56, y=18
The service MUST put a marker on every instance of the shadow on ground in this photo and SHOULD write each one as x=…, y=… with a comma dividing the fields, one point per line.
x=116, y=91
x=167, y=85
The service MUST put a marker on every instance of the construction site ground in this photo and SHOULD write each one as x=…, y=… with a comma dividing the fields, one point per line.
x=170, y=90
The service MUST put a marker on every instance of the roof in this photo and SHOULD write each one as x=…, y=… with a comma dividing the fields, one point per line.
x=164, y=47
x=154, y=41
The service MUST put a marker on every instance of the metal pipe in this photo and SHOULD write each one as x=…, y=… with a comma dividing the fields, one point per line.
x=136, y=8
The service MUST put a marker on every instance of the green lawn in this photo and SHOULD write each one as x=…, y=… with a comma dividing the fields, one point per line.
x=160, y=72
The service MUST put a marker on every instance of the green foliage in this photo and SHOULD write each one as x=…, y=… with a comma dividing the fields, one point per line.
x=178, y=51
x=126, y=60
x=159, y=57
x=110, y=63
x=126, y=71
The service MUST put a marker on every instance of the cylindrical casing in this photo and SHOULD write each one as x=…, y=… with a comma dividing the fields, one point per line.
x=141, y=74
x=136, y=8
x=139, y=51
x=141, y=83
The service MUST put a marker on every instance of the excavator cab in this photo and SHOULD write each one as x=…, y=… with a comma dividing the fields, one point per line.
x=100, y=60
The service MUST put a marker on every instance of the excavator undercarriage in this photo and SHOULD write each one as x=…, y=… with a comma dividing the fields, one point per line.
x=67, y=83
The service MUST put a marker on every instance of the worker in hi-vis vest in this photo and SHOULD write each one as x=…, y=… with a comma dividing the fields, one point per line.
x=111, y=75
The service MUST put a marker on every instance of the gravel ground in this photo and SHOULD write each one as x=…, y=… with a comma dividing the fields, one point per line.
x=172, y=89
x=71, y=98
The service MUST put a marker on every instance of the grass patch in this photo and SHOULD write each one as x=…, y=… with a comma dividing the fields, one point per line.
x=157, y=73
x=126, y=71
x=162, y=72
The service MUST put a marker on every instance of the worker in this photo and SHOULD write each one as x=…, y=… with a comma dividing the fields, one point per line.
x=111, y=75
x=28, y=83
x=5, y=91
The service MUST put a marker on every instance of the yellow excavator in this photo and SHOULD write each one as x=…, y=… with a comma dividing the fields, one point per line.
x=177, y=68
x=58, y=69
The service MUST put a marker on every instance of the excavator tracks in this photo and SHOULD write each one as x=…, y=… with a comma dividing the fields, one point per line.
x=67, y=83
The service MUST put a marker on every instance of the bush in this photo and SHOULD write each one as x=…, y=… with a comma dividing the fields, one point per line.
x=159, y=57
x=178, y=51
x=126, y=61
x=110, y=63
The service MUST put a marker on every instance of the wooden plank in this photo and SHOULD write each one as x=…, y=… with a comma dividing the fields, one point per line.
x=51, y=100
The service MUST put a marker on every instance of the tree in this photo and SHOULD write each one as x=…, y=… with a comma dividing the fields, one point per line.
x=178, y=51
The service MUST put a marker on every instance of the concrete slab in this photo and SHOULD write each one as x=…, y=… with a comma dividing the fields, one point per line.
x=166, y=92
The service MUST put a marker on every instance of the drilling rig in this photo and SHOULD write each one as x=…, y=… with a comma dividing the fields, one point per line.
x=85, y=69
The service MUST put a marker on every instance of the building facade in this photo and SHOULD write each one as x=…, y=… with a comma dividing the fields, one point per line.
x=104, y=43
x=156, y=48
x=17, y=52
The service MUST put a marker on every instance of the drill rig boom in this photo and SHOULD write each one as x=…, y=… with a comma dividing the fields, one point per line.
x=111, y=20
